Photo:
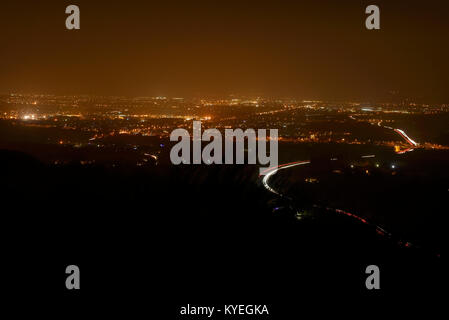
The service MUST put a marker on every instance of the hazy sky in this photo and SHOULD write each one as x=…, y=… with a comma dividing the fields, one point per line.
x=306, y=49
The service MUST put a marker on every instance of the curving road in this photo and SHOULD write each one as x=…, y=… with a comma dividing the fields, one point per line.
x=271, y=171
x=267, y=174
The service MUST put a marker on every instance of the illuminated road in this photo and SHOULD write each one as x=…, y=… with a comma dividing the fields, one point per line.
x=406, y=137
x=271, y=171
x=267, y=174
x=401, y=133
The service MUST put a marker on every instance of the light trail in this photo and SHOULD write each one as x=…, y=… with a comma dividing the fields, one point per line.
x=268, y=173
x=405, y=151
x=406, y=137
x=271, y=171
x=401, y=133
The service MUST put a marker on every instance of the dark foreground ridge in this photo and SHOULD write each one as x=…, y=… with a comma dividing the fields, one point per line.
x=169, y=235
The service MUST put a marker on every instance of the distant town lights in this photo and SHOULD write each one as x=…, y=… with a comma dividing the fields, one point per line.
x=29, y=117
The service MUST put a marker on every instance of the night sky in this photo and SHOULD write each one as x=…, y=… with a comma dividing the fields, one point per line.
x=306, y=49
